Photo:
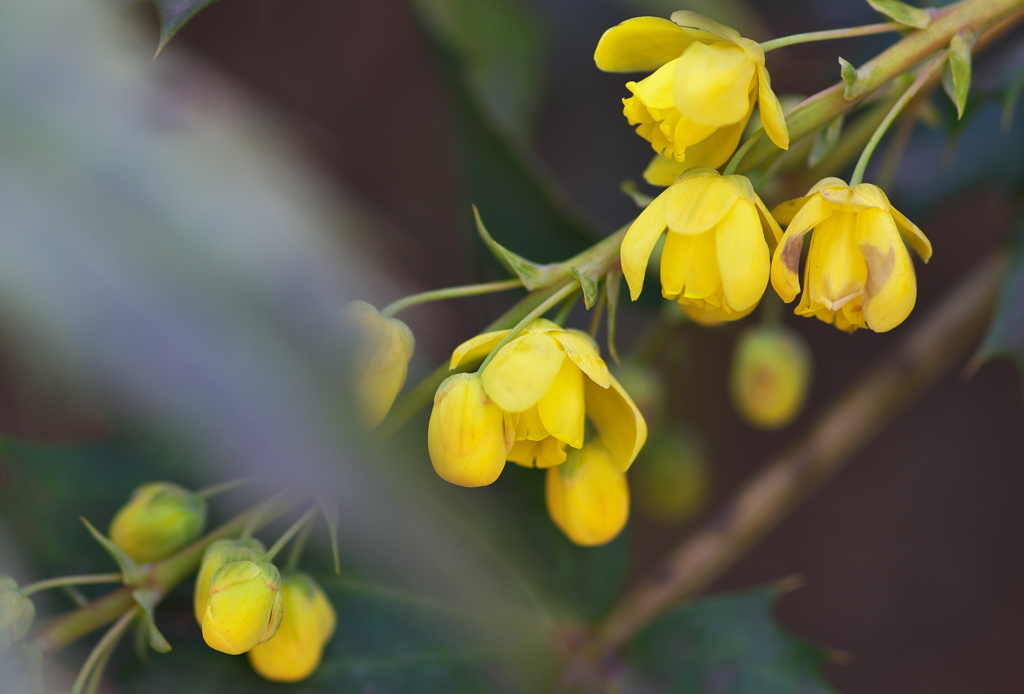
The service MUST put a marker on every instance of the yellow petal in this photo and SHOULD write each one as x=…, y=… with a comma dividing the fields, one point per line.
x=772, y=117
x=712, y=83
x=638, y=243
x=715, y=150
x=913, y=235
x=663, y=171
x=561, y=408
x=743, y=259
x=890, y=289
x=784, y=212
x=582, y=350
x=476, y=348
x=772, y=230
x=466, y=433
x=656, y=90
x=700, y=23
x=786, y=261
x=543, y=325
x=529, y=425
x=522, y=371
x=676, y=261
x=704, y=280
x=243, y=609
x=641, y=44
x=294, y=653
x=621, y=426
x=697, y=203
x=711, y=316
x=538, y=454
x=588, y=497
x=835, y=265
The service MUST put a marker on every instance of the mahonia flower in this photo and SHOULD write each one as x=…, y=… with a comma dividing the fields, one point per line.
x=528, y=404
x=306, y=627
x=159, y=519
x=716, y=259
x=858, y=272
x=588, y=496
x=384, y=348
x=244, y=608
x=770, y=374
x=17, y=613
x=218, y=554
x=706, y=80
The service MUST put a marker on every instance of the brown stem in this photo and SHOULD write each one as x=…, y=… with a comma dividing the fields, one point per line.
x=841, y=432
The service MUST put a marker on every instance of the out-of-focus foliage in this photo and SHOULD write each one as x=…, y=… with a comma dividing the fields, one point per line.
x=174, y=14
x=1006, y=333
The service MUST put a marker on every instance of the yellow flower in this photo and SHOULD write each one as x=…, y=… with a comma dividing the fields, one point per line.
x=588, y=496
x=858, y=273
x=770, y=374
x=384, y=348
x=706, y=80
x=546, y=382
x=716, y=259
x=244, y=608
x=466, y=435
x=306, y=627
x=218, y=554
x=159, y=519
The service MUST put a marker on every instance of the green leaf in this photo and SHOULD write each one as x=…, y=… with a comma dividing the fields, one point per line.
x=901, y=12
x=613, y=286
x=147, y=600
x=957, y=77
x=174, y=14
x=727, y=644
x=825, y=141
x=130, y=571
x=1005, y=337
x=849, y=74
x=590, y=286
x=533, y=275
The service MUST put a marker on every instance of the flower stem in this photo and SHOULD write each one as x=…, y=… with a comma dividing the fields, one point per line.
x=566, y=309
x=730, y=168
x=105, y=644
x=216, y=489
x=545, y=306
x=290, y=533
x=69, y=581
x=850, y=32
x=449, y=293
x=869, y=149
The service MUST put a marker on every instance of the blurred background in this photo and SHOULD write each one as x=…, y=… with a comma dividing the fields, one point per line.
x=181, y=234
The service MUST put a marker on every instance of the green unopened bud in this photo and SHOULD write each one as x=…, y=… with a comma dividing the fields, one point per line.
x=159, y=519
x=671, y=481
x=217, y=555
x=308, y=624
x=16, y=613
x=771, y=372
x=245, y=606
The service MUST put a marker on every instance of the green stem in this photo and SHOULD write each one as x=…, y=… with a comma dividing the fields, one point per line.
x=296, y=551
x=289, y=534
x=869, y=149
x=730, y=168
x=850, y=32
x=214, y=490
x=109, y=641
x=566, y=309
x=59, y=581
x=529, y=318
x=449, y=293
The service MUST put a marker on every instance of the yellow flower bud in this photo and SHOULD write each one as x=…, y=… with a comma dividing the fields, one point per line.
x=859, y=273
x=466, y=434
x=217, y=555
x=672, y=481
x=308, y=624
x=770, y=374
x=694, y=107
x=716, y=260
x=588, y=497
x=383, y=350
x=16, y=613
x=159, y=519
x=244, y=608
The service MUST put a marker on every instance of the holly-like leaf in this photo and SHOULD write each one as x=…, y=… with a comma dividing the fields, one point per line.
x=957, y=77
x=901, y=12
x=147, y=600
x=1005, y=336
x=825, y=141
x=130, y=571
x=727, y=644
x=533, y=275
x=849, y=74
x=174, y=14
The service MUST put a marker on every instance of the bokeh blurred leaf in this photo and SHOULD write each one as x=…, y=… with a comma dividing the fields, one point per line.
x=1005, y=336
x=174, y=14
x=901, y=12
x=727, y=644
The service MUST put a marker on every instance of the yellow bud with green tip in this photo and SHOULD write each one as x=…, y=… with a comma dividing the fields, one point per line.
x=217, y=555
x=16, y=613
x=770, y=376
x=245, y=606
x=159, y=519
x=308, y=624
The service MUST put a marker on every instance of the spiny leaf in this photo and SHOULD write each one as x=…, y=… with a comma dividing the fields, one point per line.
x=825, y=141
x=174, y=14
x=901, y=12
x=849, y=74
x=533, y=275
x=131, y=572
x=589, y=285
x=957, y=77
x=612, y=286
x=147, y=599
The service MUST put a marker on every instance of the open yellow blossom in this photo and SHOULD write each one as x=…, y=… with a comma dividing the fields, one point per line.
x=244, y=608
x=706, y=80
x=588, y=496
x=716, y=259
x=384, y=347
x=306, y=627
x=858, y=272
x=547, y=381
